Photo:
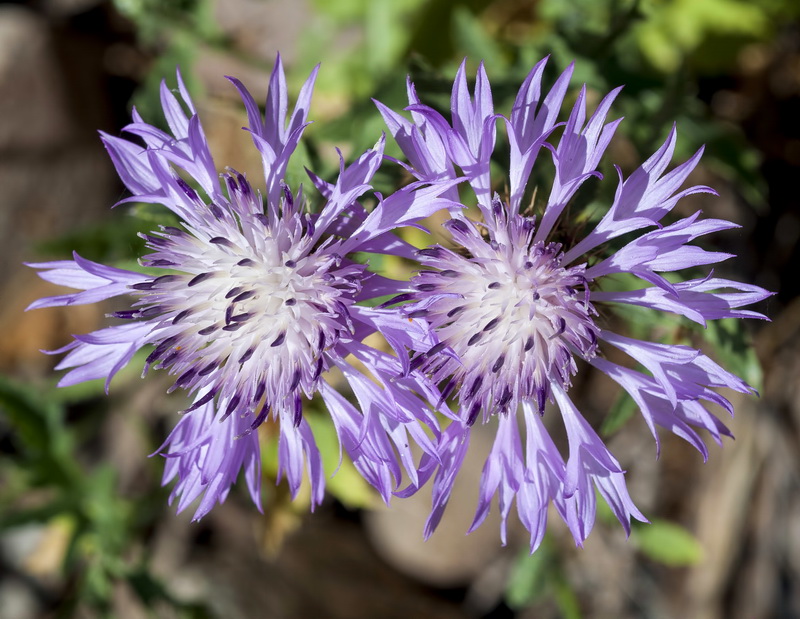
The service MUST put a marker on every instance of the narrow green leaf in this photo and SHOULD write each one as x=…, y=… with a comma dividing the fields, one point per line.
x=622, y=410
x=472, y=37
x=667, y=543
x=567, y=600
x=529, y=577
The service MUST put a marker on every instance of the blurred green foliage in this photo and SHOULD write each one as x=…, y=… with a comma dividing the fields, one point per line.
x=539, y=577
x=49, y=482
x=667, y=543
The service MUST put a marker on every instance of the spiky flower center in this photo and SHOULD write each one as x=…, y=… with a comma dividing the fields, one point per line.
x=248, y=310
x=513, y=316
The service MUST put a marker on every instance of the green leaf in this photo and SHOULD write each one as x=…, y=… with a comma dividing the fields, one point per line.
x=114, y=239
x=732, y=342
x=622, y=410
x=38, y=422
x=347, y=485
x=10, y=517
x=529, y=577
x=566, y=600
x=342, y=10
x=667, y=543
x=296, y=170
x=471, y=37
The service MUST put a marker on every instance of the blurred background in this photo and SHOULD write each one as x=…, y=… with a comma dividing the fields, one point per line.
x=85, y=530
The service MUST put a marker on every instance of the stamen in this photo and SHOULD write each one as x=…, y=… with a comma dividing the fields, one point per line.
x=505, y=398
x=260, y=390
x=185, y=377
x=262, y=415
x=562, y=326
x=417, y=361
x=475, y=386
x=492, y=324
x=221, y=240
x=437, y=348
x=406, y=296
x=180, y=316
x=247, y=294
x=430, y=252
x=446, y=392
x=190, y=193
x=458, y=226
x=473, y=413
x=208, y=369
x=474, y=339
x=298, y=410
x=202, y=401
x=199, y=278
x=498, y=364
x=295, y=379
x=529, y=343
x=318, y=369
x=159, y=350
x=231, y=406
x=151, y=311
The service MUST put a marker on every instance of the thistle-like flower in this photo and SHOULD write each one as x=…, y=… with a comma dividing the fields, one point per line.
x=513, y=308
x=258, y=300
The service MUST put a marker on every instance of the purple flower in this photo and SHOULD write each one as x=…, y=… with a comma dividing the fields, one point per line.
x=513, y=307
x=257, y=302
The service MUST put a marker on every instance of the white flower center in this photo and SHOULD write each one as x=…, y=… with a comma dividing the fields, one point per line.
x=513, y=316
x=252, y=313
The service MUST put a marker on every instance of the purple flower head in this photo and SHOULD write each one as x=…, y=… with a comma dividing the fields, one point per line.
x=256, y=302
x=513, y=309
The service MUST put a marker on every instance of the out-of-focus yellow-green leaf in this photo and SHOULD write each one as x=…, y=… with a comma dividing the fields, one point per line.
x=529, y=577
x=566, y=599
x=674, y=29
x=623, y=409
x=346, y=485
x=667, y=543
x=478, y=44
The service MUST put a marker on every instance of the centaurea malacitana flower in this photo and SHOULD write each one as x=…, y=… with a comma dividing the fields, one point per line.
x=257, y=302
x=513, y=308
